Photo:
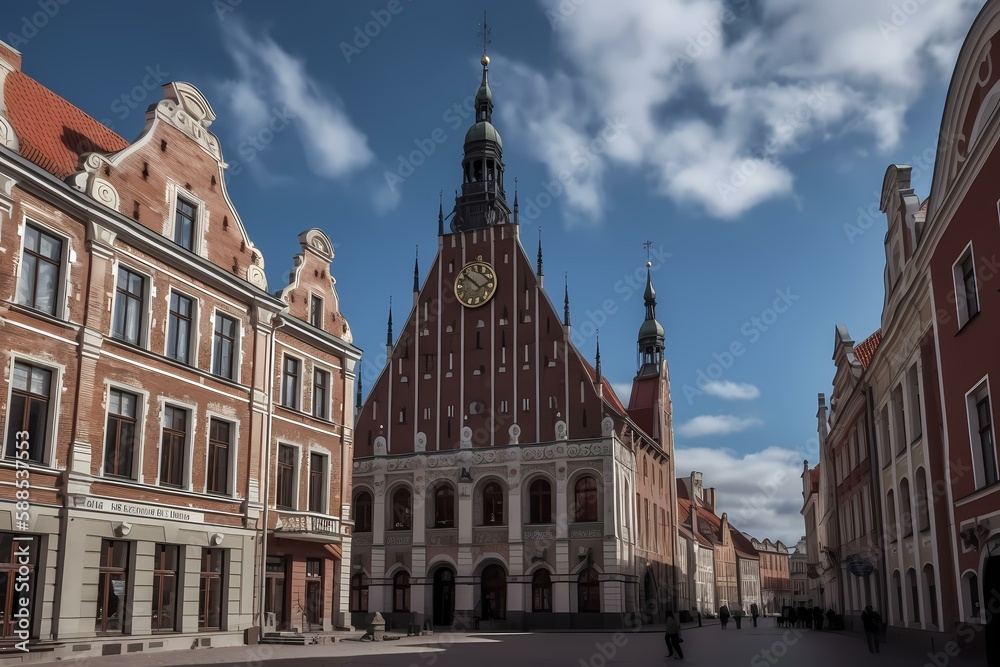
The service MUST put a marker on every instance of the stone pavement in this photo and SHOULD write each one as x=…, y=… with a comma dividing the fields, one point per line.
x=763, y=646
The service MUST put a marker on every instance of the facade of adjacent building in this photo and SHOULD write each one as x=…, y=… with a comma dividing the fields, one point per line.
x=698, y=572
x=142, y=357
x=798, y=564
x=775, y=575
x=748, y=566
x=498, y=480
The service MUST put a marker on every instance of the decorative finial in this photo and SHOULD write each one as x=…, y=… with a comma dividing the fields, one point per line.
x=441, y=213
x=566, y=300
x=484, y=32
x=416, y=271
x=388, y=336
x=540, y=271
x=648, y=245
x=597, y=365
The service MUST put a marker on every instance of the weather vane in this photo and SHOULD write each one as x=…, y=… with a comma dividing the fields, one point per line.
x=648, y=245
x=484, y=32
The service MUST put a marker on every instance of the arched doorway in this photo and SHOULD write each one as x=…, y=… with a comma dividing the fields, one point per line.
x=444, y=596
x=493, y=590
x=991, y=585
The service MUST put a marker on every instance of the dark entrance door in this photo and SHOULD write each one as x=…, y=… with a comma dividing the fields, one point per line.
x=444, y=596
x=494, y=593
x=991, y=591
x=314, y=604
x=274, y=591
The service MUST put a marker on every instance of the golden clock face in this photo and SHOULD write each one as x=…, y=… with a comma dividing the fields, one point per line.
x=476, y=284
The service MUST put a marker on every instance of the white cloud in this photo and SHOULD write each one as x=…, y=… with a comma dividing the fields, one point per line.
x=716, y=95
x=760, y=491
x=623, y=390
x=273, y=86
x=715, y=425
x=731, y=390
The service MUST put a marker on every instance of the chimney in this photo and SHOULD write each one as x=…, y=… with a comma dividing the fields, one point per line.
x=710, y=499
x=10, y=58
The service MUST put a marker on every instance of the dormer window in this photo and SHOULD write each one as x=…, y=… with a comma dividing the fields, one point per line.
x=316, y=311
x=184, y=223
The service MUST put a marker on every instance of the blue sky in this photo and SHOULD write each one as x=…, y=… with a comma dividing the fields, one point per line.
x=739, y=137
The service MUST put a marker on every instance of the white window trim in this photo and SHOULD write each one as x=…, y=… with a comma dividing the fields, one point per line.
x=149, y=293
x=192, y=428
x=195, y=331
x=234, y=439
x=237, y=345
x=972, y=397
x=55, y=393
x=65, y=265
x=141, y=410
x=322, y=309
x=281, y=383
x=961, y=309
x=326, y=478
x=296, y=474
x=175, y=190
x=329, y=391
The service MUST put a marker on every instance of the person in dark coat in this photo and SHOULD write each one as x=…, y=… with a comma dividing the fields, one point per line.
x=672, y=637
x=724, y=616
x=804, y=617
x=738, y=615
x=831, y=617
x=817, y=618
x=793, y=617
x=754, y=613
x=873, y=626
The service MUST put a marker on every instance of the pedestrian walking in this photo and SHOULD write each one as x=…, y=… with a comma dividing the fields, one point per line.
x=724, y=616
x=872, y=622
x=754, y=613
x=672, y=637
x=831, y=619
x=738, y=615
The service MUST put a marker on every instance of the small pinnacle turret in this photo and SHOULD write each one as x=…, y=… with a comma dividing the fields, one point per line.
x=651, y=339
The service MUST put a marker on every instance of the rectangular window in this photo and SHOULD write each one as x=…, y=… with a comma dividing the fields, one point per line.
x=913, y=391
x=173, y=446
x=315, y=311
x=966, y=294
x=899, y=419
x=184, y=223
x=220, y=434
x=179, y=328
x=224, y=348
x=321, y=389
x=112, y=587
x=119, y=440
x=317, y=475
x=18, y=560
x=28, y=413
x=985, y=455
x=286, y=477
x=165, y=579
x=210, y=589
x=41, y=266
x=290, y=383
x=130, y=295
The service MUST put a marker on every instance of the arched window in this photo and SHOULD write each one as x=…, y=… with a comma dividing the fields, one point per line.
x=359, y=592
x=493, y=589
x=586, y=499
x=401, y=514
x=540, y=497
x=905, y=508
x=930, y=592
x=492, y=504
x=444, y=506
x=401, y=592
x=911, y=583
x=362, y=509
x=541, y=591
x=923, y=510
x=891, y=524
x=589, y=591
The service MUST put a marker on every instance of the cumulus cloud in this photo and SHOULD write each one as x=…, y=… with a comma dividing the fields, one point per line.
x=715, y=425
x=731, y=390
x=273, y=86
x=760, y=491
x=715, y=95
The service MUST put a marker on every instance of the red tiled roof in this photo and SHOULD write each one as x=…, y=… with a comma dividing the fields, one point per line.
x=866, y=350
x=52, y=132
x=744, y=547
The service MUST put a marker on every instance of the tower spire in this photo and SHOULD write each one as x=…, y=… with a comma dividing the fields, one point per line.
x=597, y=361
x=416, y=275
x=541, y=272
x=441, y=213
x=651, y=339
x=517, y=216
x=388, y=335
x=566, y=324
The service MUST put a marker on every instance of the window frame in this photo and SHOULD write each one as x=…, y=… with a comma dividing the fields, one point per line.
x=315, y=314
x=234, y=359
x=192, y=219
x=359, y=605
x=402, y=589
x=541, y=589
x=324, y=484
x=325, y=403
x=496, y=504
x=297, y=389
x=580, y=515
x=144, y=311
x=589, y=585
x=539, y=504
x=106, y=569
x=444, y=506
x=137, y=424
x=204, y=592
x=974, y=398
x=191, y=353
x=960, y=282
x=50, y=419
x=177, y=192
x=406, y=521
x=159, y=575
x=356, y=505
x=231, y=452
x=59, y=310
x=281, y=486
x=185, y=458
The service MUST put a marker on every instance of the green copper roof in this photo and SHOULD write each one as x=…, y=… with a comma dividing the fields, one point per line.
x=483, y=131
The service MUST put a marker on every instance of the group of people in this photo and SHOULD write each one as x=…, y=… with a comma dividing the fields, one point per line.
x=806, y=618
x=737, y=615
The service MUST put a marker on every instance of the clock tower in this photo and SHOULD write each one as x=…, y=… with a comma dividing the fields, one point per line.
x=497, y=476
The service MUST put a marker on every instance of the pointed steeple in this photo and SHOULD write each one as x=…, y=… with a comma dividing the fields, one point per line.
x=517, y=215
x=441, y=213
x=566, y=324
x=416, y=275
x=651, y=341
x=541, y=273
x=388, y=335
x=597, y=362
